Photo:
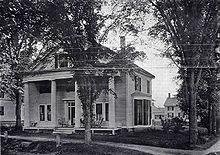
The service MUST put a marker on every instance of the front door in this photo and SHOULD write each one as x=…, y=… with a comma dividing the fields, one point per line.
x=71, y=112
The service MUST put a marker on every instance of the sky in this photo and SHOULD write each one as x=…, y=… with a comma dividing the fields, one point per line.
x=162, y=68
x=165, y=76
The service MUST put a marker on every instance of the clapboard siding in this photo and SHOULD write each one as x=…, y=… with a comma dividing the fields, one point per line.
x=120, y=105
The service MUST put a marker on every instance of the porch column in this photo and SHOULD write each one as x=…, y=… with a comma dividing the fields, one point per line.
x=26, y=105
x=53, y=103
x=111, y=85
x=77, y=107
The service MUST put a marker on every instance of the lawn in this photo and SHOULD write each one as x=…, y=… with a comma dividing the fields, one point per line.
x=150, y=137
x=144, y=137
x=21, y=147
x=147, y=137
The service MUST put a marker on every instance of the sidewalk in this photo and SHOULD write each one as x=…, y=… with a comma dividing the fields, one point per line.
x=142, y=148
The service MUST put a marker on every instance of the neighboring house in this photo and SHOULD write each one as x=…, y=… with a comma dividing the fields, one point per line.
x=7, y=111
x=51, y=100
x=172, y=108
x=158, y=113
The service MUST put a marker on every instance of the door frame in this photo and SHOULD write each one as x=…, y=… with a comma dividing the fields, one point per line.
x=69, y=106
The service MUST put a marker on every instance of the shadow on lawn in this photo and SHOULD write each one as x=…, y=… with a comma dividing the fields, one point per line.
x=21, y=147
x=147, y=137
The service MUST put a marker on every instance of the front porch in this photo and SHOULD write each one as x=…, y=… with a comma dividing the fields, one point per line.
x=54, y=103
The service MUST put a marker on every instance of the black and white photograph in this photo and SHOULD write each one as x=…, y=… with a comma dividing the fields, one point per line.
x=110, y=77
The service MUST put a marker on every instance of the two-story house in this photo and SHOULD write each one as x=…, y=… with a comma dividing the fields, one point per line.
x=172, y=108
x=51, y=101
x=7, y=110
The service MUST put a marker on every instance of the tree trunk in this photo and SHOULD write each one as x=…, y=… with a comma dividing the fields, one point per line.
x=87, y=115
x=213, y=119
x=193, y=116
x=210, y=119
x=18, y=125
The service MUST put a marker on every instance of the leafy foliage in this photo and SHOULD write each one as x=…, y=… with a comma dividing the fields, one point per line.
x=189, y=28
x=175, y=124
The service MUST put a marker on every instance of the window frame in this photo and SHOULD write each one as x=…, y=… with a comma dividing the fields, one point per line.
x=105, y=111
x=2, y=110
x=46, y=115
x=148, y=86
x=137, y=83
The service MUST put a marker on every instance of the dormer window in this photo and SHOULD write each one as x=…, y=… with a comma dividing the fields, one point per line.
x=137, y=83
x=62, y=61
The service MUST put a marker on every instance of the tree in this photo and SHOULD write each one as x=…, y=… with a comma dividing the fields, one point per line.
x=207, y=98
x=189, y=27
x=21, y=23
x=73, y=26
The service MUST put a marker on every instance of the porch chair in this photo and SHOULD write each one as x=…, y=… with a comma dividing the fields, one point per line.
x=62, y=122
x=99, y=122
x=82, y=122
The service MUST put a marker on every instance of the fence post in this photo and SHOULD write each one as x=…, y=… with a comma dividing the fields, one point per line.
x=58, y=140
x=6, y=136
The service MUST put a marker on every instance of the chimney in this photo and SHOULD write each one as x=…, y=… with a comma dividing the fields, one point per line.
x=168, y=95
x=122, y=42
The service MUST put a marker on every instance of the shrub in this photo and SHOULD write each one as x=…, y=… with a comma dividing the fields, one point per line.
x=174, y=124
x=177, y=124
x=166, y=124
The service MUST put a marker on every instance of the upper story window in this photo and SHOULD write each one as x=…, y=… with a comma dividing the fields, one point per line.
x=148, y=86
x=137, y=83
x=170, y=108
x=2, y=94
x=2, y=110
x=62, y=60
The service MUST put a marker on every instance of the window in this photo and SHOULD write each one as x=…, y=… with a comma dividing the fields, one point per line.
x=49, y=112
x=106, y=112
x=1, y=110
x=62, y=60
x=2, y=94
x=42, y=113
x=142, y=112
x=99, y=109
x=137, y=83
x=148, y=86
x=170, y=108
x=45, y=112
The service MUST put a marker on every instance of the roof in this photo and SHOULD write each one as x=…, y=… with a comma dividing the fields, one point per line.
x=119, y=64
x=172, y=101
x=158, y=109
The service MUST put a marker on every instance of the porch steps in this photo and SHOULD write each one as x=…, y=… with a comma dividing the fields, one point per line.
x=63, y=131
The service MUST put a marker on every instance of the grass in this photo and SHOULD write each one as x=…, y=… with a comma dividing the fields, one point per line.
x=145, y=137
x=22, y=147
x=148, y=137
